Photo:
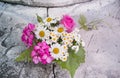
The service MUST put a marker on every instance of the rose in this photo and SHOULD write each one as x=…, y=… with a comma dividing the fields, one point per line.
x=68, y=23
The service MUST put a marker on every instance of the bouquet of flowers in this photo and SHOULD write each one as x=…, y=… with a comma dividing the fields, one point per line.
x=53, y=40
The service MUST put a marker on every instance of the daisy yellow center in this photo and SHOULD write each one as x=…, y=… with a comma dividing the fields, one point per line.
x=66, y=42
x=64, y=59
x=41, y=33
x=54, y=39
x=70, y=40
x=56, y=50
x=64, y=39
x=49, y=19
x=60, y=29
x=65, y=34
x=65, y=47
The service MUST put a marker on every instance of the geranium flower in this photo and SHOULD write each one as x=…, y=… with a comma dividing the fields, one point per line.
x=27, y=35
x=41, y=53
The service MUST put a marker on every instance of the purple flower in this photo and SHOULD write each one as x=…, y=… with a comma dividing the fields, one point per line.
x=27, y=35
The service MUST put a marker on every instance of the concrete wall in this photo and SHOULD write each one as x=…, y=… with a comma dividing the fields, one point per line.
x=46, y=3
x=102, y=45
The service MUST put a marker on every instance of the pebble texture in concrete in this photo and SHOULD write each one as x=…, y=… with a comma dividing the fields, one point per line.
x=102, y=45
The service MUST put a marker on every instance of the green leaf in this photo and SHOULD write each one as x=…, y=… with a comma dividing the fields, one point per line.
x=94, y=27
x=85, y=27
x=24, y=56
x=55, y=24
x=73, y=61
x=39, y=19
x=82, y=21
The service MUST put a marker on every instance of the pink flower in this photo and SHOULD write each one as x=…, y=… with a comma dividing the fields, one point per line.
x=68, y=22
x=41, y=53
x=27, y=35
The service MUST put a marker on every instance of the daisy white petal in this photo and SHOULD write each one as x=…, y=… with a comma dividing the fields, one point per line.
x=56, y=51
x=41, y=33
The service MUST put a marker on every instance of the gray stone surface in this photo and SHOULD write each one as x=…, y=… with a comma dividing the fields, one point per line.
x=92, y=9
x=46, y=3
x=13, y=19
x=102, y=45
x=102, y=56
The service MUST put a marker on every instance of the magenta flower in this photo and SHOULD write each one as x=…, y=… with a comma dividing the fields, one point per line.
x=41, y=53
x=68, y=22
x=27, y=35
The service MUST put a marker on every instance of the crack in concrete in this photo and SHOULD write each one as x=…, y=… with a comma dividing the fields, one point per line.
x=90, y=40
x=97, y=50
x=20, y=71
x=1, y=13
x=3, y=10
x=53, y=66
x=54, y=75
x=3, y=42
x=7, y=50
x=85, y=74
x=47, y=12
x=1, y=33
x=3, y=68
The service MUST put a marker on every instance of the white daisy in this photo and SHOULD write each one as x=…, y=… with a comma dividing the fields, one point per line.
x=64, y=34
x=76, y=48
x=56, y=51
x=54, y=39
x=64, y=56
x=75, y=34
x=67, y=41
x=59, y=30
x=69, y=36
x=53, y=36
x=58, y=18
x=77, y=38
x=49, y=20
x=48, y=41
x=65, y=53
x=41, y=33
x=65, y=47
x=83, y=43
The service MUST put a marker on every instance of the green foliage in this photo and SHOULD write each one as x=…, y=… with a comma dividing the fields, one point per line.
x=24, y=56
x=74, y=42
x=92, y=24
x=82, y=21
x=39, y=19
x=54, y=24
x=73, y=61
x=60, y=40
x=88, y=26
